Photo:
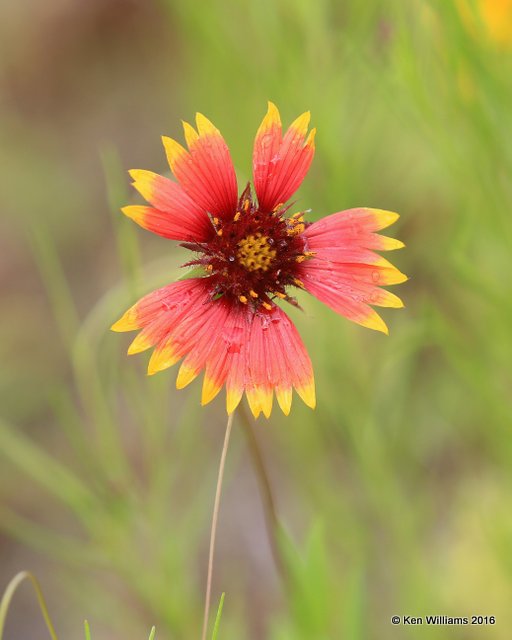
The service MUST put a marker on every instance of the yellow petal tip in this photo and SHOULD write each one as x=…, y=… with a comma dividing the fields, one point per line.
x=301, y=123
x=373, y=321
x=138, y=174
x=385, y=218
x=272, y=112
x=390, y=244
x=173, y=150
x=141, y=343
x=284, y=399
x=381, y=326
x=204, y=126
x=128, y=322
x=307, y=394
x=209, y=391
x=161, y=359
x=135, y=212
x=190, y=133
x=310, y=141
x=233, y=398
x=185, y=376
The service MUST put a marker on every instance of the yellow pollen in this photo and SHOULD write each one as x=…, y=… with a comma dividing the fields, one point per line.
x=247, y=204
x=216, y=221
x=219, y=232
x=296, y=224
x=237, y=217
x=296, y=229
x=280, y=295
x=267, y=306
x=255, y=252
x=253, y=294
x=209, y=267
x=242, y=299
x=299, y=283
x=300, y=258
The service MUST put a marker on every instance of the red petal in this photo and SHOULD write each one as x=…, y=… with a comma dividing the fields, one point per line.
x=272, y=356
x=344, y=273
x=280, y=164
x=174, y=299
x=248, y=352
x=175, y=215
x=206, y=171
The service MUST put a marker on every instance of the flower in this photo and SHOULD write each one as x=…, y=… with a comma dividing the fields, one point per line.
x=251, y=253
x=494, y=16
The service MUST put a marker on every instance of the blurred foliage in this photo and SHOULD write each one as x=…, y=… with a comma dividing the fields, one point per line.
x=394, y=493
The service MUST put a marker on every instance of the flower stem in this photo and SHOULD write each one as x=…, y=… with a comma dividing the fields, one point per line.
x=267, y=498
x=215, y=518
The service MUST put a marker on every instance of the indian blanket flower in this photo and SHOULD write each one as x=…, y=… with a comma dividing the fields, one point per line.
x=252, y=254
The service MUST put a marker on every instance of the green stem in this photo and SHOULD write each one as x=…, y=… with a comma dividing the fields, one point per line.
x=267, y=498
x=213, y=533
x=11, y=590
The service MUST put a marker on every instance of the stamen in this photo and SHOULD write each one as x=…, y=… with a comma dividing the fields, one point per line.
x=237, y=217
x=299, y=283
x=296, y=224
x=253, y=294
x=255, y=252
x=267, y=306
x=243, y=299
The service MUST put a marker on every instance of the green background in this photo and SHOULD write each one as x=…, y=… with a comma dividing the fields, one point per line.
x=394, y=494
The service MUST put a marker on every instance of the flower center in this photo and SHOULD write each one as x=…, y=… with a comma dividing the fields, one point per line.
x=253, y=257
x=255, y=252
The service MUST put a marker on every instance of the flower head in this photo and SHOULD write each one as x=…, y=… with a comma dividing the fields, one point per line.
x=495, y=16
x=252, y=253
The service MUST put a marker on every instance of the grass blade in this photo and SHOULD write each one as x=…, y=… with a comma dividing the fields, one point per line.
x=9, y=594
x=217, y=618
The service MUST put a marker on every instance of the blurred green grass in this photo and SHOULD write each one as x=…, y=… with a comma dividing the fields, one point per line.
x=394, y=493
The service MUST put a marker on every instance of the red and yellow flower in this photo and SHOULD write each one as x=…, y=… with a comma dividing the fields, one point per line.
x=251, y=254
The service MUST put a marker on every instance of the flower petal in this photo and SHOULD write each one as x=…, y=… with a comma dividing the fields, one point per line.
x=335, y=293
x=280, y=164
x=175, y=215
x=271, y=356
x=175, y=299
x=345, y=273
x=249, y=352
x=206, y=170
